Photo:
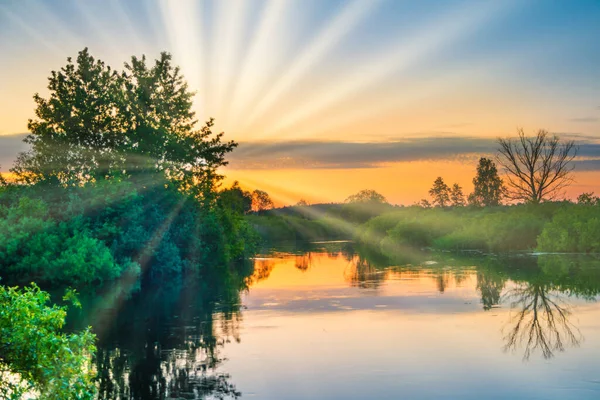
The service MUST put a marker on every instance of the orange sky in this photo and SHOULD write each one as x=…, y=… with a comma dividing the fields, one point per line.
x=344, y=72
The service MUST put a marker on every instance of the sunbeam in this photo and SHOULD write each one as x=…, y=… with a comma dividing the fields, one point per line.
x=184, y=23
x=424, y=42
x=331, y=34
x=261, y=57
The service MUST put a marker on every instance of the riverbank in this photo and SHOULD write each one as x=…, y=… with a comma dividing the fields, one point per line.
x=548, y=227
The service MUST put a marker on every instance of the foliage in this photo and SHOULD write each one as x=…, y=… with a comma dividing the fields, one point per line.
x=273, y=228
x=440, y=193
x=574, y=228
x=491, y=229
x=537, y=168
x=366, y=196
x=588, y=199
x=119, y=182
x=488, y=188
x=99, y=123
x=261, y=201
x=36, y=357
x=236, y=199
x=457, y=198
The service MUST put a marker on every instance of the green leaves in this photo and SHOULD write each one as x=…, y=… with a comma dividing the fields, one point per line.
x=98, y=123
x=42, y=360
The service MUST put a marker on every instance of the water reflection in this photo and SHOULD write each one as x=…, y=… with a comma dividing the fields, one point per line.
x=542, y=320
x=539, y=296
x=165, y=341
x=176, y=340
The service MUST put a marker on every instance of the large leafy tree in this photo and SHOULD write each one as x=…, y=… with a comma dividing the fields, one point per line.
x=537, y=168
x=488, y=188
x=98, y=123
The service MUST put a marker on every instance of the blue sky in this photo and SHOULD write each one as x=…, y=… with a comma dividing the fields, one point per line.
x=332, y=70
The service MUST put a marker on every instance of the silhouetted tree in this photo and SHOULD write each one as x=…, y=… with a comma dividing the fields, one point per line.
x=236, y=199
x=302, y=203
x=366, y=196
x=424, y=203
x=488, y=188
x=537, y=168
x=98, y=123
x=588, y=199
x=261, y=201
x=456, y=196
x=440, y=193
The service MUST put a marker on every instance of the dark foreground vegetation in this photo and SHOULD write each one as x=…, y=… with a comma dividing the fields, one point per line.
x=120, y=187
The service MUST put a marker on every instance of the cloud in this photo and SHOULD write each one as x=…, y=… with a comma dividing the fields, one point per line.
x=320, y=154
x=587, y=165
x=348, y=155
x=585, y=119
x=10, y=147
x=340, y=154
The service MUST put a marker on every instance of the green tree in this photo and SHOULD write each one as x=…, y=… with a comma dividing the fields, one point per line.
x=424, y=203
x=440, y=193
x=3, y=182
x=537, y=168
x=366, y=196
x=37, y=359
x=261, y=201
x=236, y=199
x=488, y=188
x=588, y=199
x=457, y=197
x=97, y=123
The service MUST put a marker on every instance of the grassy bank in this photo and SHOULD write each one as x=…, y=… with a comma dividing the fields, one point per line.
x=551, y=227
x=548, y=227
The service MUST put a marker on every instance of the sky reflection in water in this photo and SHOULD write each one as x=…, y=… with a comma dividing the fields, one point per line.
x=330, y=321
x=333, y=325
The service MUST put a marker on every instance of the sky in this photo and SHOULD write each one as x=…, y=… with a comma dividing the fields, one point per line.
x=328, y=97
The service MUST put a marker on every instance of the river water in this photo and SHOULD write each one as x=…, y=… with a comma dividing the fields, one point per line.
x=323, y=321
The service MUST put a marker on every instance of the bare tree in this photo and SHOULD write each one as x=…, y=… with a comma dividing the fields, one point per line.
x=537, y=168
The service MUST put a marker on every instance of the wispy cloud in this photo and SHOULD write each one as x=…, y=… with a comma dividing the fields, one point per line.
x=319, y=154
x=10, y=147
x=585, y=119
x=315, y=154
x=339, y=154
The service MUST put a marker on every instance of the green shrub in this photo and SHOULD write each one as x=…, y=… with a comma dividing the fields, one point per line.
x=36, y=358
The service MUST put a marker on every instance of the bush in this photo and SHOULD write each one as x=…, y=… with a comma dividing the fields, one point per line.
x=36, y=357
x=575, y=228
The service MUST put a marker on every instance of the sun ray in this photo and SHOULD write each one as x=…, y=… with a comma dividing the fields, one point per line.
x=231, y=17
x=334, y=31
x=440, y=32
x=184, y=25
x=125, y=20
x=259, y=61
x=31, y=31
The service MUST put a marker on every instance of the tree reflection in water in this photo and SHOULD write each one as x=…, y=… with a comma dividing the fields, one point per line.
x=165, y=341
x=542, y=322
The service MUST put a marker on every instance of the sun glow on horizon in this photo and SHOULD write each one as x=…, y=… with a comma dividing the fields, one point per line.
x=359, y=70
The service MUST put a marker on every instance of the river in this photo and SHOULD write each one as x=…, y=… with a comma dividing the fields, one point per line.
x=325, y=321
